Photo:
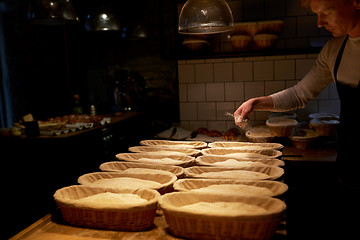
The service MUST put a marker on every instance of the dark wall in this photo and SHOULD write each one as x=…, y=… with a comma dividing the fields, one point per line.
x=48, y=64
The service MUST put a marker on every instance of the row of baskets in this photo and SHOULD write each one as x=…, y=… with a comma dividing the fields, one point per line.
x=321, y=124
x=194, y=224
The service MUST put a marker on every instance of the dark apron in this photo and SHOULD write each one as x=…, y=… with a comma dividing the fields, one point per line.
x=348, y=158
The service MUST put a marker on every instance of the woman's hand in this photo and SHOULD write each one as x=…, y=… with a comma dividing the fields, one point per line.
x=251, y=105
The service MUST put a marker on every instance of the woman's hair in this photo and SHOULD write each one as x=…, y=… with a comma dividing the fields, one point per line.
x=305, y=4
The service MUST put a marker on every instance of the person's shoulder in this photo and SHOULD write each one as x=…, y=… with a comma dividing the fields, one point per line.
x=332, y=46
x=335, y=41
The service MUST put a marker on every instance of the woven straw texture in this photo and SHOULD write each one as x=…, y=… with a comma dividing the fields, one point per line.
x=160, y=149
x=184, y=185
x=272, y=172
x=184, y=161
x=123, y=166
x=135, y=218
x=276, y=146
x=209, y=160
x=193, y=225
x=166, y=179
x=175, y=144
x=265, y=153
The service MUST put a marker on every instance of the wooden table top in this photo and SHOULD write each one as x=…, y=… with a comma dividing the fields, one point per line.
x=52, y=227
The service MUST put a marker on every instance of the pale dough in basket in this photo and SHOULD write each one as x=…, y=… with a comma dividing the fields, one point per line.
x=234, y=163
x=167, y=152
x=109, y=199
x=175, y=145
x=246, y=155
x=239, y=174
x=236, y=189
x=127, y=182
x=160, y=160
x=224, y=208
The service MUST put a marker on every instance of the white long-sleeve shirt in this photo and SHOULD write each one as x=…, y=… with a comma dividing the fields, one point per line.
x=321, y=74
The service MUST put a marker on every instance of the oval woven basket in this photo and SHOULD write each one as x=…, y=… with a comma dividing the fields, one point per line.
x=165, y=150
x=209, y=160
x=123, y=166
x=165, y=179
x=247, y=145
x=217, y=225
x=182, y=160
x=125, y=218
x=242, y=152
x=272, y=173
x=174, y=144
x=277, y=188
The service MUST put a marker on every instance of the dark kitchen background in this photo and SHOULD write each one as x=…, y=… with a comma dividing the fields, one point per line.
x=43, y=66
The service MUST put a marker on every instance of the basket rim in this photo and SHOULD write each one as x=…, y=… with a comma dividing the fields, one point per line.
x=179, y=184
x=106, y=167
x=203, y=160
x=173, y=143
x=154, y=149
x=173, y=178
x=278, y=172
x=168, y=207
x=62, y=201
x=275, y=146
x=135, y=158
x=268, y=153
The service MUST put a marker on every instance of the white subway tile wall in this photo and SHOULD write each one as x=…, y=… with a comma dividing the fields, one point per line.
x=208, y=88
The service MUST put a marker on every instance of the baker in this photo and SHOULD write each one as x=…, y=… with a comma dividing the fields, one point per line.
x=339, y=62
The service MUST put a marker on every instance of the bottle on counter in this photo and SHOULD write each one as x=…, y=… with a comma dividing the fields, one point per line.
x=92, y=110
x=77, y=110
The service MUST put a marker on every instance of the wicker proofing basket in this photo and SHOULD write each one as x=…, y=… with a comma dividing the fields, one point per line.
x=259, y=134
x=124, y=218
x=123, y=166
x=185, y=185
x=160, y=149
x=185, y=161
x=193, y=225
x=272, y=172
x=265, y=153
x=281, y=127
x=174, y=144
x=249, y=145
x=209, y=160
x=166, y=179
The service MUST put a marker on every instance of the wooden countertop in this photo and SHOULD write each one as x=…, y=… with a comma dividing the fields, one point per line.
x=324, y=154
x=52, y=227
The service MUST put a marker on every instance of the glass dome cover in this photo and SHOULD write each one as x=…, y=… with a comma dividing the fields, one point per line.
x=205, y=17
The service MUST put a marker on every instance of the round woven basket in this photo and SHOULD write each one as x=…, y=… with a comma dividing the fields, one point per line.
x=212, y=225
x=281, y=127
x=123, y=217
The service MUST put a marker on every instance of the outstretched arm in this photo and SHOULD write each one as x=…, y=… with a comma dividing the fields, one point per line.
x=251, y=105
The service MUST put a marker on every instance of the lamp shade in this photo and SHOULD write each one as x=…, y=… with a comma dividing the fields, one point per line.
x=102, y=21
x=52, y=12
x=205, y=17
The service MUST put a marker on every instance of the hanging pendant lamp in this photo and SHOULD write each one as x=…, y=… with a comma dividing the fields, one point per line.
x=205, y=17
x=102, y=21
x=52, y=12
